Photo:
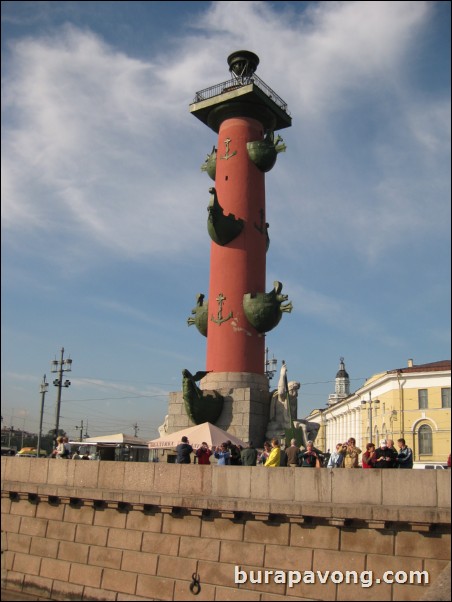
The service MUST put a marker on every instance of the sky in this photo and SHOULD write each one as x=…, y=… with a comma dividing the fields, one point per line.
x=104, y=240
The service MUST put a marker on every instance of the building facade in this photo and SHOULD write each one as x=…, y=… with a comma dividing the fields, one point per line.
x=411, y=403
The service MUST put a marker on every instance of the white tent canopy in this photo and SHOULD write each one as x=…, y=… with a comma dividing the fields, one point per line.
x=196, y=435
x=115, y=439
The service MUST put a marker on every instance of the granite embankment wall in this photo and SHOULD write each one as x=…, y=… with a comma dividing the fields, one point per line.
x=132, y=531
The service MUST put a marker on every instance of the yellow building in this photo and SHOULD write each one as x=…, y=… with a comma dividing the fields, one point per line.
x=411, y=403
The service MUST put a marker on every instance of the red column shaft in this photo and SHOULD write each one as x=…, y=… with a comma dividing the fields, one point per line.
x=239, y=267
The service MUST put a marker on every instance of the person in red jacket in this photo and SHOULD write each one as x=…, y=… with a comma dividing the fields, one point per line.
x=368, y=456
x=203, y=454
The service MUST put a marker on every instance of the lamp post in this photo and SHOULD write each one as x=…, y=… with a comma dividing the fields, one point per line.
x=11, y=430
x=270, y=366
x=370, y=412
x=64, y=365
x=80, y=428
x=44, y=389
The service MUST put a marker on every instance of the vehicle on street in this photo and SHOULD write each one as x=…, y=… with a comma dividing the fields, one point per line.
x=30, y=452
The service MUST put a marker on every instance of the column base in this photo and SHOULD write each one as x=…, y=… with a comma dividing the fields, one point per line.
x=246, y=405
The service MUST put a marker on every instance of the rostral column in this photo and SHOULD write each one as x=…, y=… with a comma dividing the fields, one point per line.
x=245, y=112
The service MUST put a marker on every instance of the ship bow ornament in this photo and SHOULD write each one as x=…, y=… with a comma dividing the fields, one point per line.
x=201, y=406
x=201, y=314
x=222, y=228
x=264, y=310
x=263, y=153
x=210, y=164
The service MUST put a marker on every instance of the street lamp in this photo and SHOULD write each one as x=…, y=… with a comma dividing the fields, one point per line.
x=64, y=365
x=11, y=430
x=44, y=389
x=80, y=428
x=369, y=411
x=270, y=366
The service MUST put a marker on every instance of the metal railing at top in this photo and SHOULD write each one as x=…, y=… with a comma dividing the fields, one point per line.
x=234, y=84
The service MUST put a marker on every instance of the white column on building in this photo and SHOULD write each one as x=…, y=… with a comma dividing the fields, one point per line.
x=353, y=430
x=359, y=438
x=333, y=436
x=328, y=426
x=348, y=425
x=352, y=424
x=357, y=425
x=343, y=427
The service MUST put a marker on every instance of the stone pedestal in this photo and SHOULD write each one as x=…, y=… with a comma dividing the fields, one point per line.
x=246, y=405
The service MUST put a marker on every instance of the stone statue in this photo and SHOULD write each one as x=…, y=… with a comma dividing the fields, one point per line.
x=294, y=387
x=163, y=428
x=282, y=381
x=308, y=430
x=280, y=418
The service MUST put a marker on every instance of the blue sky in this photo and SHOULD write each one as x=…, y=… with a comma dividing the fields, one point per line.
x=104, y=241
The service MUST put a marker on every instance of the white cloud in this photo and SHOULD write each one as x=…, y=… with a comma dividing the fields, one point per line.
x=430, y=125
x=125, y=310
x=321, y=57
x=99, y=147
x=88, y=127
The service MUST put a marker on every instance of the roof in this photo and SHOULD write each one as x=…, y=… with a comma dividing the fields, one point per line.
x=431, y=367
x=197, y=434
x=342, y=374
x=115, y=439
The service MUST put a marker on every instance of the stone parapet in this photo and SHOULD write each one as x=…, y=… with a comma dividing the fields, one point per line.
x=292, y=512
x=123, y=531
x=340, y=487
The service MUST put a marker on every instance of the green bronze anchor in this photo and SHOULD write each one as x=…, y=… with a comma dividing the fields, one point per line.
x=221, y=298
x=228, y=155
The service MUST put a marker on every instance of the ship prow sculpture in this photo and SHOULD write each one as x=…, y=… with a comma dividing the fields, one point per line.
x=222, y=228
x=264, y=310
x=201, y=406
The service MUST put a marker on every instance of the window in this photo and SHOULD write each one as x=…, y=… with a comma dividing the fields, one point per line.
x=376, y=437
x=425, y=440
x=423, y=398
x=445, y=398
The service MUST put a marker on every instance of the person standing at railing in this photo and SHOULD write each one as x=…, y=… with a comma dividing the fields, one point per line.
x=274, y=459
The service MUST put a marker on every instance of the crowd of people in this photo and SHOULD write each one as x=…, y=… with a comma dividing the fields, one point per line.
x=273, y=454
x=385, y=456
x=63, y=451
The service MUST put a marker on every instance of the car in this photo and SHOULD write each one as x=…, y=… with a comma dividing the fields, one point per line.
x=30, y=452
x=430, y=465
